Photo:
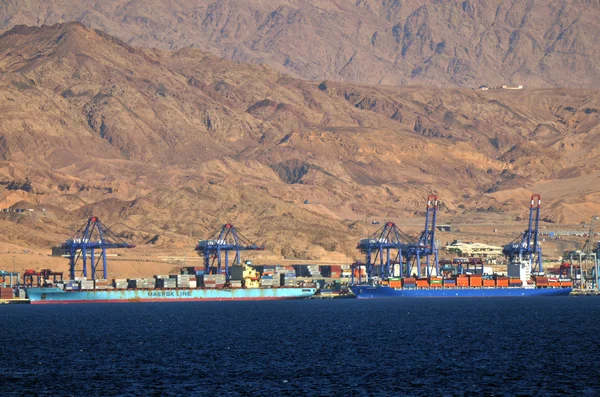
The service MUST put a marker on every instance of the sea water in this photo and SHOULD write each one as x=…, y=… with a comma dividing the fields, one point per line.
x=396, y=347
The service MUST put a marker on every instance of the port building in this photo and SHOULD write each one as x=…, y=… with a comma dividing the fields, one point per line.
x=474, y=250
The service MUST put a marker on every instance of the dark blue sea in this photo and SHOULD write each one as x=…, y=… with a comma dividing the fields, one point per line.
x=437, y=347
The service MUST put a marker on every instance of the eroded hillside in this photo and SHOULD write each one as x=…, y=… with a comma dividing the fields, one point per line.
x=162, y=143
x=443, y=43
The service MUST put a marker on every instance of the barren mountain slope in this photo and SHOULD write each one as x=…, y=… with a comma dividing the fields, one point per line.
x=458, y=43
x=167, y=144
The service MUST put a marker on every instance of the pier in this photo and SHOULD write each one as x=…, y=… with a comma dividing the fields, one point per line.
x=585, y=292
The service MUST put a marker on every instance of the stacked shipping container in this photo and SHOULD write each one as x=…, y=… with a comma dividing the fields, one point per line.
x=213, y=280
x=120, y=283
x=409, y=282
x=7, y=293
x=165, y=281
x=471, y=281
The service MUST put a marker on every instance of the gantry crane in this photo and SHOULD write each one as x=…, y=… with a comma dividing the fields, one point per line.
x=521, y=251
x=424, y=245
x=587, y=257
x=382, y=250
x=596, y=275
x=92, y=236
x=588, y=246
x=215, y=249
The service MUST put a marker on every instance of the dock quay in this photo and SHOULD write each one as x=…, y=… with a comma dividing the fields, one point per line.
x=332, y=295
x=585, y=292
x=16, y=301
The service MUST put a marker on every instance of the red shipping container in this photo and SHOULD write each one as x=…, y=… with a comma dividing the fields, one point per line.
x=422, y=283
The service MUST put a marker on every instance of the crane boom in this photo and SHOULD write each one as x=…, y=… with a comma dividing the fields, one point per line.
x=92, y=236
x=521, y=251
x=588, y=246
x=383, y=249
x=217, y=247
x=424, y=247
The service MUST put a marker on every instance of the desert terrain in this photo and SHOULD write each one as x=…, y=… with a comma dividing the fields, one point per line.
x=542, y=44
x=166, y=145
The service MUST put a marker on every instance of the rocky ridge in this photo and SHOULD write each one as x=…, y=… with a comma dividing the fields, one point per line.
x=168, y=144
x=442, y=43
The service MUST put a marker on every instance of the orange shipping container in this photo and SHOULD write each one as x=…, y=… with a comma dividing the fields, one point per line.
x=502, y=283
x=475, y=282
x=566, y=283
x=489, y=283
x=554, y=283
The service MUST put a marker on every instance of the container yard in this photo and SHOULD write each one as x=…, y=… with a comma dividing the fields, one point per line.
x=10, y=293
x=193, y=283
x=396, y=264
x=223, y=275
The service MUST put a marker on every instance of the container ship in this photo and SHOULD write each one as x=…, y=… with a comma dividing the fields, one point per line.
x=524, y=255
x=245, y=283
x=41, y=295
x=462, y=286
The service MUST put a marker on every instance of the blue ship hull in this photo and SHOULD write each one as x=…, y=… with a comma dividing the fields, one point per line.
x=370, y=292
x=57, y=295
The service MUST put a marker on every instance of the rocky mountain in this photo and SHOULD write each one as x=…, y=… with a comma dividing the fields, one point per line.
x=165, y=145
x=390, y=42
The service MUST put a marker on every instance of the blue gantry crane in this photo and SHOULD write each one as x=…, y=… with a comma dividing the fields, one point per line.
x=587, y=258
x=91, y=237
x=389, y=246
x=521, y=251
x=382, y=250
x=596, y=275
x=10, y=275
x=216, y=248
x=424, y=245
